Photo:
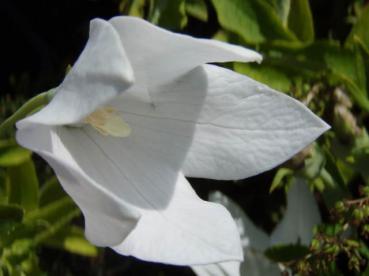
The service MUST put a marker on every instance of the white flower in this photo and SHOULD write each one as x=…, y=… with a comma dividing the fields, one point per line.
x=296, y=227
x=139, y=110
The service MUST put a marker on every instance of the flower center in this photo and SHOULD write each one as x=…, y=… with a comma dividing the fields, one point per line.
x=108, y=121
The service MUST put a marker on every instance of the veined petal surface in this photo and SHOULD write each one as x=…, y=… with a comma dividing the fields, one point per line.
x=188, y=231
x=101, y=72
x=245, y=128
x=141, y=173
x=159, y=56
x=108, y=218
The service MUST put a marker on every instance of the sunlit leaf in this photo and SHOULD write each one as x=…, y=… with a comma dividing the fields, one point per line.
x=255, y=21
x=282, y=7
x=72, y=239
x=30, y=266
x=281, y=174
x=57, y=226
x=269, y=75
x=169, y=14
x=360, y=29
x=11, y=154
x=197, y=9
x=53, y=211
x=348, y=68
x=137, y=8
x=300, y=20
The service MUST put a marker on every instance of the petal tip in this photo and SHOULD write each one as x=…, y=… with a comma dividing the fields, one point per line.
x=259, y=59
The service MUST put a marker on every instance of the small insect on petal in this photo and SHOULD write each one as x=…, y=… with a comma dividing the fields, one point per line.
x=109, y=122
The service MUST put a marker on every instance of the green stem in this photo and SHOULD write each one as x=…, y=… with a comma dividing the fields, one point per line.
x=52, y=230
x=24, y=110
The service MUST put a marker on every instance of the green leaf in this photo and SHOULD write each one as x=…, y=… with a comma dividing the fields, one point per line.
x=30, y=266
x=360, y=29
x=11, y=213
x=72, y=239
x=222, y=36
x=60, y=224
x=335, y=185
x=170, y=14
x=53, y=211
x=331, y=167
x=362, y=45
x=333, y=229
x=321, y=59
x=51, y=191
x=11, y=154
x=11, y=231
x=24, y=185
x=281, y=174
x=197, y=9
x=357, y=94
x=286, y=253
x=361, y=164
x=347, y=64
x=298, y=61
x=300, y=20
x=4, y=187
x=282, y=7
x=348, y=68
x=137, y=8
x=254, y=20
x=267, y=74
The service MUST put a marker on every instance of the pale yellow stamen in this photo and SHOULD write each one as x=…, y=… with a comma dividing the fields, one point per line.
x=108, y=121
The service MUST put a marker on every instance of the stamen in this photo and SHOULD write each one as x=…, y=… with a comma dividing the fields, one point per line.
x=109, y=122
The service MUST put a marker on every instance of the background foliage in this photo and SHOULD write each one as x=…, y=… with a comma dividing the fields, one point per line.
x=316, y=51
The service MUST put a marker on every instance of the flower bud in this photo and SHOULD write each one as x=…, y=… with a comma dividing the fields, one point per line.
x=339, y=207
x=358, y=214
x=345, y=123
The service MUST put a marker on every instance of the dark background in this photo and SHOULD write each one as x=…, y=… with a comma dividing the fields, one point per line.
x=40, y=38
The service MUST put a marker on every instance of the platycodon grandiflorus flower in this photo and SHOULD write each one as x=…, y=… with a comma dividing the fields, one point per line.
x=139, y=111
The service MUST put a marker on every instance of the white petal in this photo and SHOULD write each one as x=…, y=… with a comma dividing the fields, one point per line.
x=108, y=218
x=255, y=264
x=158, y=55
x=254, y=242
x=301, y=215
x=188, y=231
x=246, y=128
x=219, y=269
x=163, y=130
x=142, y=169
x=101, y=72
x=251, y=235
x=138, y=170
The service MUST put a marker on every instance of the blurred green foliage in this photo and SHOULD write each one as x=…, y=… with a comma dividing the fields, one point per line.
x=330, y=76
x=32, y=215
